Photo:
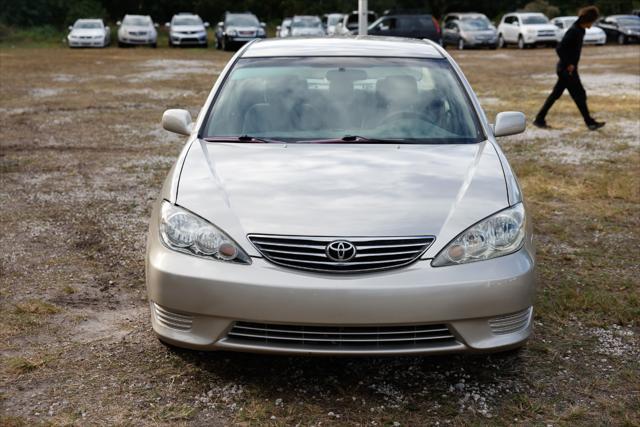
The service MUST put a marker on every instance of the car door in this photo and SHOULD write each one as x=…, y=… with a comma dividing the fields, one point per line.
x=514, y=29
x=452, y=32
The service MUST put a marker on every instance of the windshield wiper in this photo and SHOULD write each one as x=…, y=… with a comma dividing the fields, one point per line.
x=355, y=139
x=243, y=138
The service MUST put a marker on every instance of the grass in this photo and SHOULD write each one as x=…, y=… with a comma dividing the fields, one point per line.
x=86, y=214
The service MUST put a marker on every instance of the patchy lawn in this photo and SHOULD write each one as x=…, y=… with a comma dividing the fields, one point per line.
x=83, y=156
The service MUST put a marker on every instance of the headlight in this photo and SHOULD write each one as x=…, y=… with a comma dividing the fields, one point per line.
x=232, y=33
x=498, y=235
x=531, y=31
x=261, y=32
x=185, y=232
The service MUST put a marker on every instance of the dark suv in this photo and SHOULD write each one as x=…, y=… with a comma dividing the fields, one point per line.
x=417, y=26
x=237, y=29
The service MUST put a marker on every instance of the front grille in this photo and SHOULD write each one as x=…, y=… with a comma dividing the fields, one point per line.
x=371, y=253
x=546, y=33
x=340, y=337
x=171, y=319
x=247, y=33
x=511, y=323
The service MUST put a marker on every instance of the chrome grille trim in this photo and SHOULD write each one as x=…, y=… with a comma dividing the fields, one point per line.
x=511, y=323
x=372, y=253
x=338, y=338
x=171, y=319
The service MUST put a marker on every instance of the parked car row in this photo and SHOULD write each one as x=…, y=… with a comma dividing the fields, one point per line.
x=185, y=29
x=463, y=30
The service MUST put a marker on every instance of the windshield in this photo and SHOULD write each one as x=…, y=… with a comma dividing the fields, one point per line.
x=306, y=23
x=242, y=21
x=333, y=19
x=87, y=25
x=137, y=21
x=631, y=21
x=475, y=24
x=187, y=20
x=311, y=98
x=534, y=19
x=569, y=21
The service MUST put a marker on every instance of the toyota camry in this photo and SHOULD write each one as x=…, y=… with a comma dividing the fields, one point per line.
x=341, y=196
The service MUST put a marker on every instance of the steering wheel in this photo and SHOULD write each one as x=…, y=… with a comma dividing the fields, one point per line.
x=405, y=115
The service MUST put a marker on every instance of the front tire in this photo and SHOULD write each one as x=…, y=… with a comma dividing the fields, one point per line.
x=461, y=44
x=521, y=43
x=622, y=39
x=501, y=42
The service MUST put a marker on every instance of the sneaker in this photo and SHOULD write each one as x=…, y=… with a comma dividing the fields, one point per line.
x=541, y=124
x=595, y=125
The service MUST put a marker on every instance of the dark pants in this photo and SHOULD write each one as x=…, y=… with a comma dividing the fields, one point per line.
x=576, y=90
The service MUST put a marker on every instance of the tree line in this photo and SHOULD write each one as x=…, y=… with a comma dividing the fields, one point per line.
x=59, y=13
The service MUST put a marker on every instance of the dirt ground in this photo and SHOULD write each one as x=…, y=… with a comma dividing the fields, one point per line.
x=83, y=156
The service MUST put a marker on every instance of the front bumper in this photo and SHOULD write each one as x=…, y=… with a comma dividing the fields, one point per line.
x=482, y=43
x=137, y=40
x=537, y=39
x=203, y=299
x=188, y=40
x=86, y=43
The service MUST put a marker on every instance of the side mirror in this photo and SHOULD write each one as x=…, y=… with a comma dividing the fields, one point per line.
x=516, y=23
x=508, y=123
x=206, y=25
x=177, y=121
x=119, y=23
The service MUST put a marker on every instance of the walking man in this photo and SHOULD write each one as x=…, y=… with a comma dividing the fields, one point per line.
x=569, y=52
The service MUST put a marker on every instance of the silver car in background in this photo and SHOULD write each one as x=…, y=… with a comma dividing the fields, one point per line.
x=137, y=30
x=89, y=33
x=469, y=30
x=341, y=196
x=306, y=26
x=187, y=29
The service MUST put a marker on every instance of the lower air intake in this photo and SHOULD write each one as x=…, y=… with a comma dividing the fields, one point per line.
x=340, y=337
x=511, y=323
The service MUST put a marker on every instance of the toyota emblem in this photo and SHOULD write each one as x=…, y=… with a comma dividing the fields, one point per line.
x=340, y=251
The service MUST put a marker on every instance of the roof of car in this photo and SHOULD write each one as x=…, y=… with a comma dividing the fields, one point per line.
x=343, y=46
x=89, y=20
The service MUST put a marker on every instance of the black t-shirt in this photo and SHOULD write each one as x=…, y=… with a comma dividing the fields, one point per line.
x=570, y=47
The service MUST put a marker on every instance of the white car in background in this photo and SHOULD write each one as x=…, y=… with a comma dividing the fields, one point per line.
x=187, y=29
x=89, y=33
x=137, y=30
x=527, y=29
x=306, y=26
x=593, y=35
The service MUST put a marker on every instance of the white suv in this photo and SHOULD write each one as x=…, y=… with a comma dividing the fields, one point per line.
x=527, y=29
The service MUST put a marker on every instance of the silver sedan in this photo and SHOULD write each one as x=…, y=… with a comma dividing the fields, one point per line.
x=341, y=196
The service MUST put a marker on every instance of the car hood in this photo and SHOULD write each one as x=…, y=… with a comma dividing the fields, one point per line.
x=187, y=28
x=539, y=27
x=84, y=32
x=342, y=190
x=594, y=31
x=136, y=28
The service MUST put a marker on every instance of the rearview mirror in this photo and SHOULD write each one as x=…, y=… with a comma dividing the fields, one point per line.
x=177, y=121
x=509, y=123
